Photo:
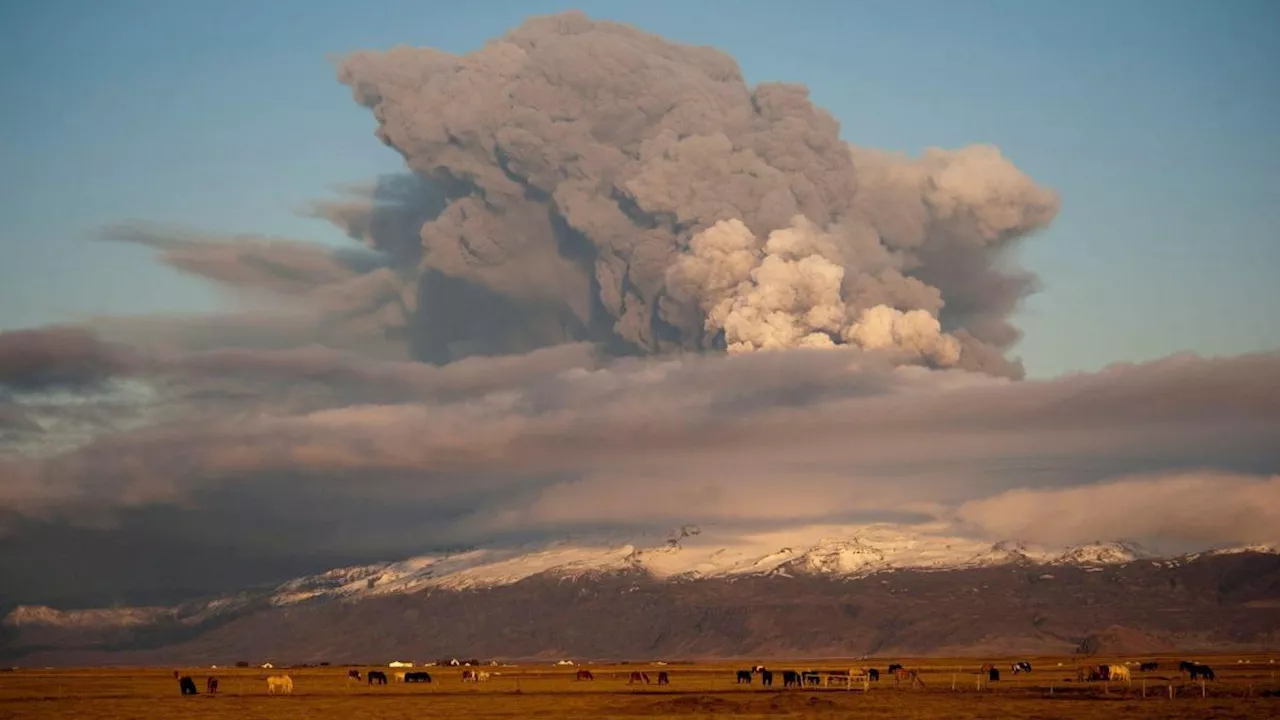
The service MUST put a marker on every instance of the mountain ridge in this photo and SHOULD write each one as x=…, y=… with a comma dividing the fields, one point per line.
x=687, y=586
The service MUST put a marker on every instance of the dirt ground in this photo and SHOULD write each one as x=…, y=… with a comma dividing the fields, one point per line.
x=951, y=689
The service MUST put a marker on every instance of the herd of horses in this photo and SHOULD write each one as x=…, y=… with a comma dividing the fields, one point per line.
x=283, y=684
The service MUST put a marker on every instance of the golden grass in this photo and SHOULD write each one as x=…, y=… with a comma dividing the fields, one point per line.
x=699, y=690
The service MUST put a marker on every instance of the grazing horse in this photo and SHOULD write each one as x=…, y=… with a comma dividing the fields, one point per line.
x=585, y=675
x=1148, y=666
x=1020, y=667
x=638, y=677
x=399, y=677
x=993, y=675
x=354, y=675
x=744, y=676
x=1197, y=670
x=186, y=685
x=279, y=683
x=790, y=678
x=378, y=677
x=811, y=677
x=873, y=674
x=417, y=677
x=1121, y=672
x=211, y=685
x=482, y=676
x=664, y=679
x=904, y=674
x=894, y=668
x=766, y=677
x=469, y=676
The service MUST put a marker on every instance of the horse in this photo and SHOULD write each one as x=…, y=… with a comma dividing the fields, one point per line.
x=469, y=676
x=744, y=676
x=904, y=674
x=211, y=685
x=894, y=668
x=1020, y=667
x=354, y=675
x=1198, y=670
x=1144, y=667
x=664, y=679
x=186, y=685
x=790, y=678
x=1121, y=672
x=993, y=675
x=873, y=674
x=638, y=677
x=585, y=675
x=417, y=677
x=483, y=676
x=811, y=677
x=279, y=683
x=377, y=676
x=399, y=677
x=766, y=677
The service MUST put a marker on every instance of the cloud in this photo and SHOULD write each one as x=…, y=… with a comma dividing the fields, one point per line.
x=1190, y=510
x=352, y=455
x=50, y=358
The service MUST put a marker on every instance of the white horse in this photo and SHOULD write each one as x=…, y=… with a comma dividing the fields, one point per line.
x=482, y=676
x=1121, y=672
x=399, y=677
x=279, y=683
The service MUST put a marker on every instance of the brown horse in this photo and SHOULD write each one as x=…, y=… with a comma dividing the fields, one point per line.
x=638, y=677
x=663, y=678
x=211, y=685
x=585, y=675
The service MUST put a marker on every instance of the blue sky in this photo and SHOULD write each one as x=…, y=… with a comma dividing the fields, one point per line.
x=1154, y=120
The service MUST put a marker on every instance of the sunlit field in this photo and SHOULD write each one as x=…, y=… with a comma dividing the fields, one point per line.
x=951, y=689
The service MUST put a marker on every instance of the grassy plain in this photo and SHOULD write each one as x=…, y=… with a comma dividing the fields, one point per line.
x=696, y=690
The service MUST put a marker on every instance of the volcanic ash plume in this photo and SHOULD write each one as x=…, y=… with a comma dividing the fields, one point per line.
x=787, y=293
x=590, y=181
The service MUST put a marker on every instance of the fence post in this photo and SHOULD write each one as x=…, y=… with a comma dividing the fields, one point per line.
x=953, y=682
x=1203, y=692
x=1144, y=687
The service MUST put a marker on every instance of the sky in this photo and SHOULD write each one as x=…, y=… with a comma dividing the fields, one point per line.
x=627, y=289
x=1153, y=120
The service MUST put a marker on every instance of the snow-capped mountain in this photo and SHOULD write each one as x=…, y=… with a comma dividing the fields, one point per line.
x=696, y=591
x=686, y=555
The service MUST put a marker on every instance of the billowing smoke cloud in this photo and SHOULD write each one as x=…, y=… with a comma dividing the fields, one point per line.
x=568, y=169
x=787, y=294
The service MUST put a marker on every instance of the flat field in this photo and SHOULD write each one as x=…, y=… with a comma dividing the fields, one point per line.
x=1243, y=690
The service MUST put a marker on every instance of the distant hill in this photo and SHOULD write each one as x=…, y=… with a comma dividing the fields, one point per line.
x=869, y=595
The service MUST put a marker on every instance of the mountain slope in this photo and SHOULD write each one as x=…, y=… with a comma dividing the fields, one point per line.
x=871, y=593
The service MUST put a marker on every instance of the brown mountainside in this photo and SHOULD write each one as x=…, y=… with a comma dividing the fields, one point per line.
x=1214, y=602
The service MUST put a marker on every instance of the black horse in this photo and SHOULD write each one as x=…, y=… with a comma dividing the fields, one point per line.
x=744, y=676
x=187, y=685
x=377, y=676
x=417, y=677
